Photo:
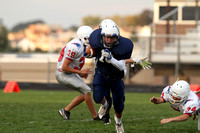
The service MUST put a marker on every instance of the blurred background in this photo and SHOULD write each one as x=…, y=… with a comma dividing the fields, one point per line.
x=166, y=31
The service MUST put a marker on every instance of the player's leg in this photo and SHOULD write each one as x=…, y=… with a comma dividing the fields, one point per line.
x=99, y=84
x=99, y=98
x=76, y=101
x=75, y=82
x=118, y=103
x=60, y=78
x=90, y=104
x=99, y=87
x=65, y=112
x=106, y=117
x=118, y=123
x=86, y=91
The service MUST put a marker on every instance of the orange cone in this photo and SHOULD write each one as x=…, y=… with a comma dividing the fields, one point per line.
x=11, y=86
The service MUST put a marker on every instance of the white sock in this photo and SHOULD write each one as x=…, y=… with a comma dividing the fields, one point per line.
x=118, y=120
x=105, y=104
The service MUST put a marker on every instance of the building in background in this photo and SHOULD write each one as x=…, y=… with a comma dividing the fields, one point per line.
x=47, y=38
x=183, y=18
x=175, y=44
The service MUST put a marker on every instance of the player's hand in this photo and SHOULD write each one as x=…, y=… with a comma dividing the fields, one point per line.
x=154, y=100
x=85, y=72
x=106, y=53
x=198, y=92
x=164, y=121
x=144, y=64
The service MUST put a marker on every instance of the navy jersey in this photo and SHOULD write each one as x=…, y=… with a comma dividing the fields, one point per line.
x=121, y=51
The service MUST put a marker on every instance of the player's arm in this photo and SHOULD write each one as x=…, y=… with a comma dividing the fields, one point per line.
x=182, y=117
x=83, y=73
x=135, y=60
x=142, y=62
x=119, y=64
x=156, y=100
x=129, y=61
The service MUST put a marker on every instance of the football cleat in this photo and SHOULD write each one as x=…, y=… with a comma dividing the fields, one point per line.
x=119, y=126
x=106, y=119
x=65, y=114
x=102, y=110
x=96, y=119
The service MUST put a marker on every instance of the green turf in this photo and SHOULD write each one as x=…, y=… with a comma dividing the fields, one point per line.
x=32, y=111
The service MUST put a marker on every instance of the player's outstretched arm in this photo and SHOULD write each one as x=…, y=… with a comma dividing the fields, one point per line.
x=156, y=100
x=182, y=117
x=142, y=62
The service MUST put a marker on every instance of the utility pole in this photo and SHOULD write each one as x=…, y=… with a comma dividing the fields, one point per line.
x=166, y=78
x=197, y=15
x=167, y=25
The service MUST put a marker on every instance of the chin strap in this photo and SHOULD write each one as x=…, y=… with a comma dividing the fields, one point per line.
x=177, y=79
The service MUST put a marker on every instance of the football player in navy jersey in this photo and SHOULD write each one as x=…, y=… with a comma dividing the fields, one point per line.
x=112, y=50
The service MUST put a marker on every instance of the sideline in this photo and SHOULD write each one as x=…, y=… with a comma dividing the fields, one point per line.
x=55, y=86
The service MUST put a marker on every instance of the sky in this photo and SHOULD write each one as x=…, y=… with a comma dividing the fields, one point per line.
x=67, y=12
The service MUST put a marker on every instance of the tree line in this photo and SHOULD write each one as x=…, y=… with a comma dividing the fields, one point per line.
x=145, y=18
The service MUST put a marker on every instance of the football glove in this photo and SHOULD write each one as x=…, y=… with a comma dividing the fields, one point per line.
x=133, y=66
x=102, y=57
x=106, y=53
x=144, y=64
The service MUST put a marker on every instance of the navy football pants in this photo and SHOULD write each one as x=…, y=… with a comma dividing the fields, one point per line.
x=102, y=86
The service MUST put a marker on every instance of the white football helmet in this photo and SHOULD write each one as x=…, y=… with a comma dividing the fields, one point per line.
x=110, y=29
x=105, y=22
x=83, y=34
x=180, y=89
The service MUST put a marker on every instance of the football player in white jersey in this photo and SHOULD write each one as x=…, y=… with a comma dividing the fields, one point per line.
x=180, y=98
x=70, y=74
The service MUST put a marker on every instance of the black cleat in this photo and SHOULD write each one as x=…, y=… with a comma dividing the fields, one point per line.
x=65, y=114
x=106, y=119
x=96, y=119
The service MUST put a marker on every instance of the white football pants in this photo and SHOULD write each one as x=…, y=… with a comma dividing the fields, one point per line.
x=72, y=80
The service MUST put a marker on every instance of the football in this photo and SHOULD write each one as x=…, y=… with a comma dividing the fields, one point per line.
x=90, y=51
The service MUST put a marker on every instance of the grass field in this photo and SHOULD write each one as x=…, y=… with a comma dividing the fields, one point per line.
x=32, y=111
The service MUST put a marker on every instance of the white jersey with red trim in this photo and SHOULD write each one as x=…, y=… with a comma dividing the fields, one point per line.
x=190, y=106
x=73, y=51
